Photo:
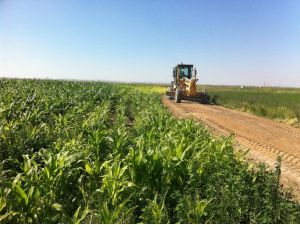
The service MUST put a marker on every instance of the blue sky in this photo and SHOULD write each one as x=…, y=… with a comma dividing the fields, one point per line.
x=246, y=42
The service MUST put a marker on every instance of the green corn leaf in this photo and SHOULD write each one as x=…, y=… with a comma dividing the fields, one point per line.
x=88, y=169
x=75, y=216
x=21, y=193
x=57, y=206
x=17, y=178
x=7, y=215
x=2, y=203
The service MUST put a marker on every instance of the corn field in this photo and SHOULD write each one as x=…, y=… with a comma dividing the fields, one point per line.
x=92, y=152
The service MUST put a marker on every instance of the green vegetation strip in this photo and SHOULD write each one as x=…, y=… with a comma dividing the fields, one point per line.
x=281, y=104
x=75, y=152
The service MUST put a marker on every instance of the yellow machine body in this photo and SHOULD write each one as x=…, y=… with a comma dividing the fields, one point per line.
x=188, y=87
x=184, y=85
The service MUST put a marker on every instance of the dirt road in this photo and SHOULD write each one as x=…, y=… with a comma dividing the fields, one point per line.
x=265, y=139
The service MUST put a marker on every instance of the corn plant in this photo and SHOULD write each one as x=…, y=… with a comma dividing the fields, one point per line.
x=93, y=152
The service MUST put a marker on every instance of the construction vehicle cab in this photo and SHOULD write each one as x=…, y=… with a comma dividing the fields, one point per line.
x=183, y=86
x=184, y=71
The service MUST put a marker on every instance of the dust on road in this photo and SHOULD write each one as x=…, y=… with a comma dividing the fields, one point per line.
x=265, y=139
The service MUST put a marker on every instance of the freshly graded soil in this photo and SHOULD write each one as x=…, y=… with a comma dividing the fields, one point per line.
x=265, y=139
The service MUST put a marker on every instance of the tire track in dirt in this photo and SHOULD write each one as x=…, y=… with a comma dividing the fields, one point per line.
x=264, y=139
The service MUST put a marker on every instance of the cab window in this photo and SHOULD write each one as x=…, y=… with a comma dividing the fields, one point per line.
x=184, y=72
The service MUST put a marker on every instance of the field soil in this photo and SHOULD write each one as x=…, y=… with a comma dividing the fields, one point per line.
x=263, y=138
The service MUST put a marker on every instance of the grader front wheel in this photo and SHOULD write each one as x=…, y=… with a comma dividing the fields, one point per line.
x=178, y=96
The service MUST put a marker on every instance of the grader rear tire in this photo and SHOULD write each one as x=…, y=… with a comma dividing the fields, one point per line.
x=204, y=98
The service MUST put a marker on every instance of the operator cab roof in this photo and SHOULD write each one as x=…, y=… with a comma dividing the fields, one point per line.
x=185, y=65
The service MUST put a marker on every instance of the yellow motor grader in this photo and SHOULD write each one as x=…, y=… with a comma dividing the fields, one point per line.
x=183, y=86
